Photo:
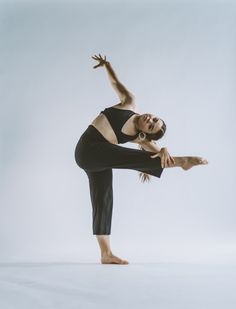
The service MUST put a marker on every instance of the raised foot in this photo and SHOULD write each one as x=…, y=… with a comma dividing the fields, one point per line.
x=112, y=259
x=192, y=161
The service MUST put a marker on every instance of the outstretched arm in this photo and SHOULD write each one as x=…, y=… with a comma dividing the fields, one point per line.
x=124, y=94
x=152, y=146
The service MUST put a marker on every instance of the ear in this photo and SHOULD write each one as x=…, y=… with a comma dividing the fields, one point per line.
x=142, y=136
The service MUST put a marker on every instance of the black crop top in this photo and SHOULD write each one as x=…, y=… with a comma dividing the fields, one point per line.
x=117, y=118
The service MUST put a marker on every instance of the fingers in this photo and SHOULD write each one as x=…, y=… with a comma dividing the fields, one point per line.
x=155, y=155
x=163, y=159
x=95, y=57
x=102, y=58
x=169, y=161
x=166, y=160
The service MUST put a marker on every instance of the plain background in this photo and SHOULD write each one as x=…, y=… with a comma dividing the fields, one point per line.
x=178, y=58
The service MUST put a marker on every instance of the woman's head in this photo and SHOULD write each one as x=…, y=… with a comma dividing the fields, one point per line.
x=152, y=126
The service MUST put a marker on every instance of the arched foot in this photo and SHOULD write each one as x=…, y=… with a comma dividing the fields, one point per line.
x=189, y=162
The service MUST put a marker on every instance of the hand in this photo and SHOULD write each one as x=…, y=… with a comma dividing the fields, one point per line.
x=166, y=159
x=101, y=61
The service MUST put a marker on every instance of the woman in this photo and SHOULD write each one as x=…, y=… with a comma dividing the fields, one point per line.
x=97, y=153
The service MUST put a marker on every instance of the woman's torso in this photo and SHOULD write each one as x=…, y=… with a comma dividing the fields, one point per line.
x=102, y=124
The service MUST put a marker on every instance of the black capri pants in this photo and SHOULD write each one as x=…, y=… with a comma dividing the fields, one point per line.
x=97, y=157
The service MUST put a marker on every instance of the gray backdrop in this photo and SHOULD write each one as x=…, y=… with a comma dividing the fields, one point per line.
x=178, y=58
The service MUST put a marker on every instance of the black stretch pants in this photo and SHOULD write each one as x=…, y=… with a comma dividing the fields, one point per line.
x=96, y=156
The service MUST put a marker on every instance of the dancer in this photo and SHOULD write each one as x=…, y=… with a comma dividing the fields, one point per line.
x=97, y=153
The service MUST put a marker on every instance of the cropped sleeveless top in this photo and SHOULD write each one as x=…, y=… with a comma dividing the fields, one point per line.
x=117, y=118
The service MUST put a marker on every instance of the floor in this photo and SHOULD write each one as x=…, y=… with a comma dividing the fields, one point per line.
x=88, y=285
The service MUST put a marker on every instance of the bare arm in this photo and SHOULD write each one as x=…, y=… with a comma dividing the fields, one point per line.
x=111, y=73
x=124, y=94
x=150, y=146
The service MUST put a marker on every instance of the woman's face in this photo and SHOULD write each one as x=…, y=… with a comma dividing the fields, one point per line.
x=149, y=123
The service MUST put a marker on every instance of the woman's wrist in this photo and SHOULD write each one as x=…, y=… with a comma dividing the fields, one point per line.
x=106, y=63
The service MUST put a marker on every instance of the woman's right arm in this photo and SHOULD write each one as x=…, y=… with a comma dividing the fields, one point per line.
x=124, y=94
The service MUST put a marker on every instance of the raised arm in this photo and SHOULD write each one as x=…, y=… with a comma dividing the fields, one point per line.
x=124, y=94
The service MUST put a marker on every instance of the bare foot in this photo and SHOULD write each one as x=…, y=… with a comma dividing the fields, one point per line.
x=112, y=259
x=192, y=161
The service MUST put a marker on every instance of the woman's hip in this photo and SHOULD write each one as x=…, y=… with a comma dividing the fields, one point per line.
x=89, y=143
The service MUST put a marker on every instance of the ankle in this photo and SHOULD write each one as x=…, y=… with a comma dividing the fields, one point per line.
x=179, y=161
x=106, y=253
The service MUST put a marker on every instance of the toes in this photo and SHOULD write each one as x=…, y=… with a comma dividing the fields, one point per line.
x=125, y=262
x=117, y=260
x=120, y=261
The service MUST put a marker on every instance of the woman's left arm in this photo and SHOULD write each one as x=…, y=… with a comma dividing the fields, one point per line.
x=150, y=146
x=165, y=157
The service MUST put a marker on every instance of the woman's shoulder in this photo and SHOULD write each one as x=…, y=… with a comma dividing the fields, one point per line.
x=126, y=106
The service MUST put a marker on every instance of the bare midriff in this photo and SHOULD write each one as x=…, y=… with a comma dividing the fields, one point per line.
x=102, y=124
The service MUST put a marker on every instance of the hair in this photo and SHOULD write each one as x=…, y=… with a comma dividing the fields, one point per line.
x=152, y=137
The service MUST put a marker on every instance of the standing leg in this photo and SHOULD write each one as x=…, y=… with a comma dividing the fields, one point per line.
x=101, y=194
x=107, y=257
